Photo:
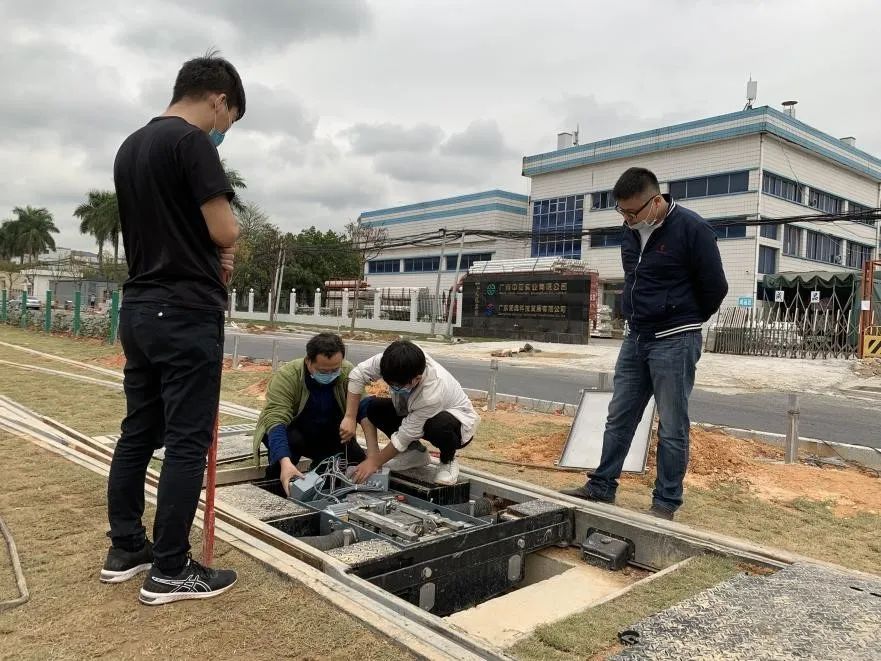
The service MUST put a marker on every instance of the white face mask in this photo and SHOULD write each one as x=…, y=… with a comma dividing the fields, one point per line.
x=645, y=224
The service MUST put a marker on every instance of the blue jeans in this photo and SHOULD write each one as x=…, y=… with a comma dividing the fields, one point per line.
x=663, y=368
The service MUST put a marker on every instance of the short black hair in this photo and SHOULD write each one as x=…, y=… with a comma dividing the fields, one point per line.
x=401, y=362
x=207, y=74
x=635, y=181
x=325, y=344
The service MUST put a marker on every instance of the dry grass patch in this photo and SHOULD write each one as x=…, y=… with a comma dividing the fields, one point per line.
x=59, y=527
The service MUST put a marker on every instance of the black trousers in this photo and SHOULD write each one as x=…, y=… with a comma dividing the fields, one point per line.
x=317, y=446
x=443, y=431
x=172, y=387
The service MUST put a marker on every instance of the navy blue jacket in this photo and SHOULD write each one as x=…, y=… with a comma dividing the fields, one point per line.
x=676, y=283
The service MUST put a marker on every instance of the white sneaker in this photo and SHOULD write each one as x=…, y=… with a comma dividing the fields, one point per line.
x=416, y=456
x=447, y=473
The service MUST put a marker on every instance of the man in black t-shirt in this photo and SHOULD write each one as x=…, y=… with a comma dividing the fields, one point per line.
x=179, y=234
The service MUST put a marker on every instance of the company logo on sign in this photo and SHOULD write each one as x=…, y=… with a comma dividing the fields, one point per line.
x=491, y=289
x=490, y=310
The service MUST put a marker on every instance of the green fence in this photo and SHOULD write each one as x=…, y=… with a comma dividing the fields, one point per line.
x=75, y=321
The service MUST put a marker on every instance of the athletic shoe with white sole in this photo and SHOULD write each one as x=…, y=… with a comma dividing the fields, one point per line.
x=122, y=565
x=192, y=582
x=447, y=473
x=415, y=456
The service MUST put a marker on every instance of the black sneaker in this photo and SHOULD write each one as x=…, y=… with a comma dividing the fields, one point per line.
x=661, y=513
x=193, y=582
x=584, y=494
x=122, y=565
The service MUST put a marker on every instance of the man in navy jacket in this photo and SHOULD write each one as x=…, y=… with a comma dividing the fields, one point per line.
x=673, y=283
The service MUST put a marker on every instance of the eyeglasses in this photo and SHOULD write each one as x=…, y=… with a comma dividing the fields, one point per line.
x=631, y=215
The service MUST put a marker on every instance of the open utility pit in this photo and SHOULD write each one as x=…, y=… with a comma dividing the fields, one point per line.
x=497, y=566
x=557, y=583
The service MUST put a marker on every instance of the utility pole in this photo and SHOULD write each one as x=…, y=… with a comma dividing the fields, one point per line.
x=280, y=280
x=440, y=266
x=454, y=296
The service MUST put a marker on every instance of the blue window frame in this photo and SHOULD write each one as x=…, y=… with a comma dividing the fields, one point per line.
x=556, y=227
x=606, y=239
x=791, y=241
x=781, y=187
x=467, y=260
x=717, y=184
x=825, y=201
x=858, y=254
x=602, y=200
x=421, y=264
x=384, y=266
x=855, y=207
x=822, y=247
x=767, y=259
x=768, y=231
x=725, y=231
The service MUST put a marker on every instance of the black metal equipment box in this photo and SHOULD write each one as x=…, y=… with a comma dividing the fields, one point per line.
x=603, y=550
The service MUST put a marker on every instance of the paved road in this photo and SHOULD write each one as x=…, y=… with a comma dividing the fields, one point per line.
x=829, y=418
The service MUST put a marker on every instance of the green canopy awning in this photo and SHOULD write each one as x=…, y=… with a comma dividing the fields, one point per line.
x=812, y=279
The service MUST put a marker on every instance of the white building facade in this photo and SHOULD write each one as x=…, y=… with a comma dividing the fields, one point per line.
x=425, y=226
x=757, y=163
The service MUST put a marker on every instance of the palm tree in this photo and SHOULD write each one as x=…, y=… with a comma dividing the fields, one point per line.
x=99, y=216
x=8, y=240
x=237, y=182
x=33, y=231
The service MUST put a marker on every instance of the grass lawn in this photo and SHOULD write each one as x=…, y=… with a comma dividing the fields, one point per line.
x=734, y=487
x=57, y=514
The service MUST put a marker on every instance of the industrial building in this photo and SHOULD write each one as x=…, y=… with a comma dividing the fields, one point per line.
x=755, y=163
x=418, y=265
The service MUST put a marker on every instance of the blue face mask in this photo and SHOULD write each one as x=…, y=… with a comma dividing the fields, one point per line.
x=324, y=378
x=401, y=390
x=214, y=135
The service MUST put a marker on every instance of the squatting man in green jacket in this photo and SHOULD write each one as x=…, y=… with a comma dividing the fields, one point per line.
x=305, y=405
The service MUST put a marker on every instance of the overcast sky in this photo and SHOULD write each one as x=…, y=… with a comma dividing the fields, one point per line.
x=357, y=105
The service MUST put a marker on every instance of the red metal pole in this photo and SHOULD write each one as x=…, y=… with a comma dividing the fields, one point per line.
x=211, y=481
x=865, y=286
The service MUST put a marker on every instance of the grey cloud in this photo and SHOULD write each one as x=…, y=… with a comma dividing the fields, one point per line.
x=371, y=139
x=419, y=168
x=482, y=139
x=253, y=26
x=270, y=22
x=597, y=121
x=277, y=111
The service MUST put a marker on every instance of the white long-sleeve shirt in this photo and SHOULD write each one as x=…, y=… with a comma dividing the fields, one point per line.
x=437, y=391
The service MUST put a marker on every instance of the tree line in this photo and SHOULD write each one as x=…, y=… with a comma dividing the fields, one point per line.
x=267, y=258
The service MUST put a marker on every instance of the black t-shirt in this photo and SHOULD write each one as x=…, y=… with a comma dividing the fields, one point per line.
x=164, y=172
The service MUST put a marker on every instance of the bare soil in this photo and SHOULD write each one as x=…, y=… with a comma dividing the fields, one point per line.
x=715, y=458
x=57, y=514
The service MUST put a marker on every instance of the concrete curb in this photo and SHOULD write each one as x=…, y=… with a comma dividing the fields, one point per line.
x=860, y=454
x=528, y=403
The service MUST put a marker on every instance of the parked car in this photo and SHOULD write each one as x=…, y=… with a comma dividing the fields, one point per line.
x=33, y=303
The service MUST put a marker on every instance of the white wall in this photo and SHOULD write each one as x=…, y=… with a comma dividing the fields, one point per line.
x=787, y=160
x=711, y=158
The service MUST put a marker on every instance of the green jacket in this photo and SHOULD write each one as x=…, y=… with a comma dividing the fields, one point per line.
x=287, y=395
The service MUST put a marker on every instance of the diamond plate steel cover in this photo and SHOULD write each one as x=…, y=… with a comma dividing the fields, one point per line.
x=801, y=612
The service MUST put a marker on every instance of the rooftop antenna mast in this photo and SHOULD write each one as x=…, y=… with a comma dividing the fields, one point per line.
x=752, y=90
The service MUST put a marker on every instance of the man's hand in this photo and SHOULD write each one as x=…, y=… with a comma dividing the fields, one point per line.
x=365, y=469
x=347, y=429
x=288, y=473
x=227, y=258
